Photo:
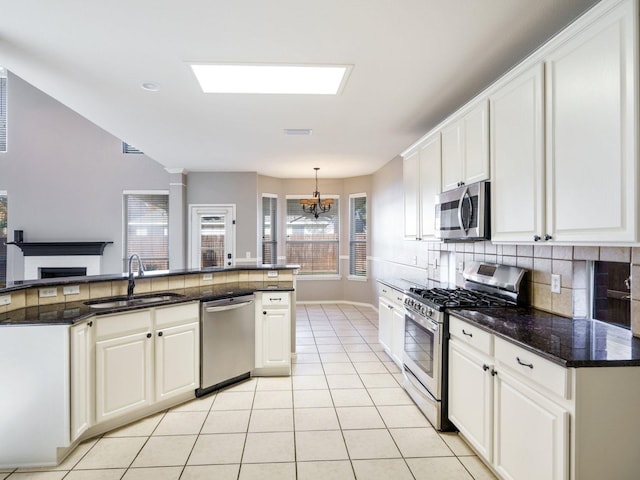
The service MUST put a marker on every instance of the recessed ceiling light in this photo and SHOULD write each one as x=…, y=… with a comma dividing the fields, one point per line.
x=278, y=79
x=150, y=86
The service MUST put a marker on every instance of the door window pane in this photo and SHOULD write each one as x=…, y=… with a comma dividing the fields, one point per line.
x=212, y=233
x=269, y=230
x=3, y=239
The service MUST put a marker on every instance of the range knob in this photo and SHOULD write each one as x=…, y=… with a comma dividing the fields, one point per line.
x=430, y=312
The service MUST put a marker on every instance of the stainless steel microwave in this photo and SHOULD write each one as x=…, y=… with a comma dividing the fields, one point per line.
x=463, y=214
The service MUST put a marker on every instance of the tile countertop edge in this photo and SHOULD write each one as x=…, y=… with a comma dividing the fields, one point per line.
x=631, y=360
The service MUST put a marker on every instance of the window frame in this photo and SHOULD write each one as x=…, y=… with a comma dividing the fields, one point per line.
x=335, y=209
x=353, y=242
x=125, y=231
x=273, y=198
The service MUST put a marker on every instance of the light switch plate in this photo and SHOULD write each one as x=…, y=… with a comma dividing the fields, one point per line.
x=555, y=283
x=207, y=276
x=5, y=299
x=272, y=273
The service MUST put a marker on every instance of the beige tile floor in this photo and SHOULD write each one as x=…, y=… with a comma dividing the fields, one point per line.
x=341, y=415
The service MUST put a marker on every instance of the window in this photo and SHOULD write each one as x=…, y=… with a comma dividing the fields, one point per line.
x=3, y=239
x=126, y=148
x=269, y=229
x=147, y=229
x=358, y=235
x=313, y=243
x=3, y=110
x=612, y=293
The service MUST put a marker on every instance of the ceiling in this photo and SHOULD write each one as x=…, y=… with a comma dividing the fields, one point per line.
x=414, y=62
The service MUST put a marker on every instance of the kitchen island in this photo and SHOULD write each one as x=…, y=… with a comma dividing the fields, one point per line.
x=56, y=352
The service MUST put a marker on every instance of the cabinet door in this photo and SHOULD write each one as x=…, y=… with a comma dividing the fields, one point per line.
x=471, y=396
x=452, y=153
x=517, y=158
x=177, y=360
x=385, y=317
x=476, y=144
x=275, y=337
x=430, y=184
x=591, y=132
x=532, y=433
x=411, y=188
x=397, y=335
x=82, y=367
x=123, y=375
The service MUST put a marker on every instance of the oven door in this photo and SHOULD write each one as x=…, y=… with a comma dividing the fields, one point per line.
x=423, y=350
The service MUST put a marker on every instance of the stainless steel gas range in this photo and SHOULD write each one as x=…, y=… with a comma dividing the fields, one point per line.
x=427, y=330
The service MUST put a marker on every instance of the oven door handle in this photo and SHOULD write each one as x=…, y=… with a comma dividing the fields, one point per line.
x=424, y=322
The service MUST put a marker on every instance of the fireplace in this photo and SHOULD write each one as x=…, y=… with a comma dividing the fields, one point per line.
x=61, y=259
x=57, y=272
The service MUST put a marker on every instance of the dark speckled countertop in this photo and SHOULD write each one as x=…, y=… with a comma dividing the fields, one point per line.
x=568, y=342
x=71, y=312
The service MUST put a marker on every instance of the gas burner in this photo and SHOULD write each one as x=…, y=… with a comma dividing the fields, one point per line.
x=457, y=298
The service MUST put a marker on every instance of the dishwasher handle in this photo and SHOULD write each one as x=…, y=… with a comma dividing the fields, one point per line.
x=231, y=306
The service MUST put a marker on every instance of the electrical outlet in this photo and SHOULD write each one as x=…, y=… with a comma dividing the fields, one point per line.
x=5, y=299
x=71, y=290
x=414, y=260
x=207, y=276
x=460, y=266
x=555, y=283
x=272, y=273
x=48, y=292
x=247, y=255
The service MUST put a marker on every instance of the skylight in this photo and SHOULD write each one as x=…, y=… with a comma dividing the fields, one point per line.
x=271, y=79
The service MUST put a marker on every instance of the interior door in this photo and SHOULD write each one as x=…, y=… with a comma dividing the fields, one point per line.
x=212, y=242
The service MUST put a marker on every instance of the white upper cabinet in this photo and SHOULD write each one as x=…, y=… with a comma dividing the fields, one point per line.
x=517, y=158
x=591, y=130
x=465, y=148
x=421, y=181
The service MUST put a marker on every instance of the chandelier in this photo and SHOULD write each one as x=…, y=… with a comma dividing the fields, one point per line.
x=315, y=205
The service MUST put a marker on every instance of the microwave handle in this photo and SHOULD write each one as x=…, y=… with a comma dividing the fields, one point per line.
x=465, y=193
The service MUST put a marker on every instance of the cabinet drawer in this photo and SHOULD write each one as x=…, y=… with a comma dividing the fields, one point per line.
x=123, y=324
x=391, y=294
x=274, y=299
x=471, y=335
x=533, y=367
x=177, y=314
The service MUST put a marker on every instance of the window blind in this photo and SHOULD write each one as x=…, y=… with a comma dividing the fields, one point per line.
x=358, y=235
x=3, y=240
x=126, y=148
x=3, y=113
x=269, y=230
x=147, y=229
x=313, y=243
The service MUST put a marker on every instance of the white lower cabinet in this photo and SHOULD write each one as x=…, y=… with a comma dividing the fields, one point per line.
x=123, y=375
x=142, y=358
x=518, y=426
x=82, y=350
x=273, y=334
x=391, y=322
x=531, y=432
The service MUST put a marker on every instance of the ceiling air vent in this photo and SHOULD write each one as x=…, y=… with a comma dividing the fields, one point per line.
x=297, y=131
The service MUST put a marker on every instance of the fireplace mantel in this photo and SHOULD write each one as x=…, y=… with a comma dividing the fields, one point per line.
x=39, y=249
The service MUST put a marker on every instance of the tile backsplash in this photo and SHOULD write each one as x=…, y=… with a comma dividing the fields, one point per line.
x=570, y=262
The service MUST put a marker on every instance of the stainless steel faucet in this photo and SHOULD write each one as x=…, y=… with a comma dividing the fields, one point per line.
x=132, y=282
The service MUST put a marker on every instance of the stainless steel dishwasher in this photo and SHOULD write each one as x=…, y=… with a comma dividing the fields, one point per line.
x=227, y=342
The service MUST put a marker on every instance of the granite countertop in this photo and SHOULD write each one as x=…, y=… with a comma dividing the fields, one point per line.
x=568, y=342
x=72, y=312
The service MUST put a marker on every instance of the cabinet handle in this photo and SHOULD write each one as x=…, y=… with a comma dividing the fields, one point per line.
x=384, y=291
x=264, y=312
x=493, y=373
x=148, y=335
x=530, y=365
x=547, y=237
x=485, y=367
x=159, y=334
x=467, y=334
x=90, y=324
x=536, y=238
x=279, y=299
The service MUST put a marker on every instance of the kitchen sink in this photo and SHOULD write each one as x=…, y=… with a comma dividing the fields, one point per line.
x=119, y=302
